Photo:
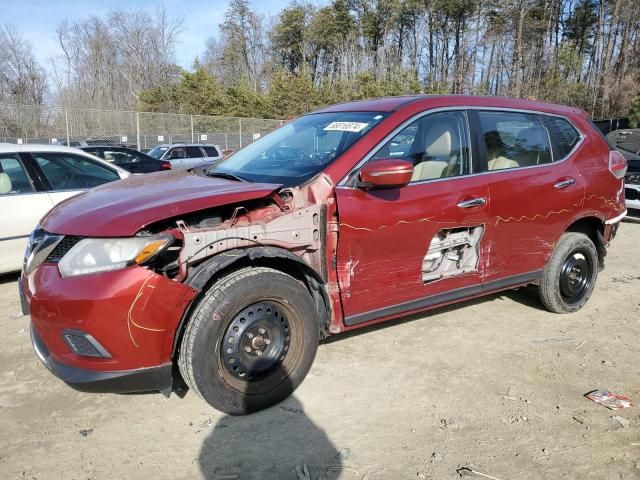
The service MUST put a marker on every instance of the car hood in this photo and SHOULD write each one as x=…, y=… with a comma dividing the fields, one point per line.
x=122, y=208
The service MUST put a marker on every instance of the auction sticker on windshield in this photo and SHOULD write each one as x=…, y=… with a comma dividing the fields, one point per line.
x=346, y=126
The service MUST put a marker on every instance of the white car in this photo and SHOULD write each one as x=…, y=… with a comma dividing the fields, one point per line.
x=34, y=178
x=186, y=155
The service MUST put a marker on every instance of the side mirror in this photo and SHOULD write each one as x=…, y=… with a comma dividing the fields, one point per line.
x=387, y=173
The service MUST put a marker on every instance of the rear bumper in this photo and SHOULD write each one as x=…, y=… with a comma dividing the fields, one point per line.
x=123, y=381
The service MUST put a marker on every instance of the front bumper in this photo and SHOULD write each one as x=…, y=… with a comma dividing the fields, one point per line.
x=632, y=194
x=132, y=313
x=122, y=381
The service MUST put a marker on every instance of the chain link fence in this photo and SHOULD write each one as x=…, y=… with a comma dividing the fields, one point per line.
x=24, y=124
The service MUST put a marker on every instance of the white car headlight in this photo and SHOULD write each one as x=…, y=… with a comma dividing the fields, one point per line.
x=92, y=255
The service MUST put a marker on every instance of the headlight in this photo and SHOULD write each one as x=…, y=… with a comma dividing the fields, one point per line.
x=103, y=254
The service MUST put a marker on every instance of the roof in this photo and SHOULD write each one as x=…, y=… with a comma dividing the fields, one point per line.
x=390, y=104
x=167, y=145
x=32, y=147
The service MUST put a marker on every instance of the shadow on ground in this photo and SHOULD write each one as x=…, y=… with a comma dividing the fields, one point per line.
x=278, y=443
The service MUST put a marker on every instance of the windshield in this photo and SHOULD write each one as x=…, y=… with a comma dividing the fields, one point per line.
x=300, y=149
x=157, y=152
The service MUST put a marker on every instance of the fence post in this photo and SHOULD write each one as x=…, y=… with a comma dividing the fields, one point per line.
x=240, y=123
x=138, y=131
x=66, y=122
x=226, y=142
x=191, y=128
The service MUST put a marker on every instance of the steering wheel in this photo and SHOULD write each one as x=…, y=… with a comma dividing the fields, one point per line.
x=288, y=153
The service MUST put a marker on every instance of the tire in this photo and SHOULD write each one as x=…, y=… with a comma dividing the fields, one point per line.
x=255, y=308
x=570, y=274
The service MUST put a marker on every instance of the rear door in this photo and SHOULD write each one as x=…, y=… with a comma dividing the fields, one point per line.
x=409, y=248
x=22, y=205
x=535, y=190
x=195, y=155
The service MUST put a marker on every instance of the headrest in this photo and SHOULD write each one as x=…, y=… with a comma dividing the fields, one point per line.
x=5, y=183
x=438, y=140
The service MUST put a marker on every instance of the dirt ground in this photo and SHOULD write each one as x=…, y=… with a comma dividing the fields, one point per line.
x=495, y=385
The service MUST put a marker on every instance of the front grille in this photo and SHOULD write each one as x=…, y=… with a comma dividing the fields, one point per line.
x=633, y=212
x=66, y=244
x=632, y=178
x=631, y=194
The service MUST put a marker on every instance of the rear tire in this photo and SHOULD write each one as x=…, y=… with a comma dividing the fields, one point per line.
x=250, y=340
x=570, y=274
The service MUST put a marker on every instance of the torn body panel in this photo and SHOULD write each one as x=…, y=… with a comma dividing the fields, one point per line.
x=453, y=251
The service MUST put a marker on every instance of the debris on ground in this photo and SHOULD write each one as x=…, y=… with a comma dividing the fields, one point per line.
x=609, y=399
x=302, y=472
x=624, y=423
x=85, y=433
x=467, y=472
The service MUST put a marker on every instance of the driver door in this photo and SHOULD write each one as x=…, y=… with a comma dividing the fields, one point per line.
x=391, y=240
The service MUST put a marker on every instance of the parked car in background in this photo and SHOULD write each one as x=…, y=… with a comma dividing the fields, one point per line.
x=185, y=155
x=34, y=178
x=627, y=141
x=131, y=160
x=349, y=216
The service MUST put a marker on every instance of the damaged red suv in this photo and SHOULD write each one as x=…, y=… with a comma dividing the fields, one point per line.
x=225, y=280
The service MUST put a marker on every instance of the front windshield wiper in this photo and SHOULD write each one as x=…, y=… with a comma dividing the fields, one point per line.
x=227, y=176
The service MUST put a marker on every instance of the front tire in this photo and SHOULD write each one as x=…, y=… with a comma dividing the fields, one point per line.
x=250, y=340
x=570, y=275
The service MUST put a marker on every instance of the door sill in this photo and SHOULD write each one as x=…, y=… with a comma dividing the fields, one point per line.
x=445, y=297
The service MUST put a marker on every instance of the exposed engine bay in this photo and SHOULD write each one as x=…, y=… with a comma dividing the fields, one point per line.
x=452, y=252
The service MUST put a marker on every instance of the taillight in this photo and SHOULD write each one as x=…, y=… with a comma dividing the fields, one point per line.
x=617, y=164
x=165, y=166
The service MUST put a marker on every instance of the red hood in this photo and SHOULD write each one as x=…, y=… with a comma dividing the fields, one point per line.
x=122, y=208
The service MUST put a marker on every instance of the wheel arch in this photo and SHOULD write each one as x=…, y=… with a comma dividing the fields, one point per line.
x=594, y=228
x=208, y=272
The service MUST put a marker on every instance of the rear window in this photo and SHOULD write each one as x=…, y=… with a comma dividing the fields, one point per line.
x=211, y=151
x=564, y=134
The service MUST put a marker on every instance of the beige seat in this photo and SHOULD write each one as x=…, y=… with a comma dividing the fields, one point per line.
x=495, y=148
x=438, y=152
x=501, y=163
x=5, y=184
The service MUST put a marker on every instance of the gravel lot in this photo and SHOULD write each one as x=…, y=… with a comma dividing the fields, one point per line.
x=495, y=385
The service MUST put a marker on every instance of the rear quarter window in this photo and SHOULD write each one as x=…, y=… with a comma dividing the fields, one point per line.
x=564, y=134
x=211, y=151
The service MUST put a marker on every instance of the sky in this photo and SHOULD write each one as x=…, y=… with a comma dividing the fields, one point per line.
x=37, y=20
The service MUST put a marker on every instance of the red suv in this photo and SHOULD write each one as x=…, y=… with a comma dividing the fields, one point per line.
x=225, y=280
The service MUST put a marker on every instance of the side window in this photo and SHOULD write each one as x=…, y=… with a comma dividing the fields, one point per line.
x=177, y=152
x=194, y=152
x=437, y=145
x=71, y=172
x=565, y=135
x=13, y=176
x=119, y=157
x=514, y=139
x=211, y=151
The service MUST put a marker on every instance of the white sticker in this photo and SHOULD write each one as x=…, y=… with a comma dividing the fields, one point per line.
x=161, y=138
x=203, y=136
x=19, y=141
x=124, y=139
x=346, y=126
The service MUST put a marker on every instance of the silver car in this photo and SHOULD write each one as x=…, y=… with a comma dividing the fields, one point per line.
x=186, y=155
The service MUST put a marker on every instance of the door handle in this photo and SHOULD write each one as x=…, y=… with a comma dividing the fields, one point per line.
x=565, y=183
x=473, y=202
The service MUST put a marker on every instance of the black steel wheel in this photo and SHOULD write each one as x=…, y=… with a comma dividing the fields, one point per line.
x=250, y=340
x=575, y=276
x=256, y=341
x=570, y=274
